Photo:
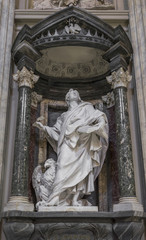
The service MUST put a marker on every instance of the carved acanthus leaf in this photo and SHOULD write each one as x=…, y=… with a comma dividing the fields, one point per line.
x=25, y=78
x=120, y=78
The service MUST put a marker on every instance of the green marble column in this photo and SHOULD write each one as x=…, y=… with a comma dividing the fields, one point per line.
x=119, y=81
x=20, y=165
x=26, y=80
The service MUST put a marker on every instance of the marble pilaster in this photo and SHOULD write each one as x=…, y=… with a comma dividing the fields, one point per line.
x=26, y=80
x=6, y=32
x=137, y=16
x=119, y=81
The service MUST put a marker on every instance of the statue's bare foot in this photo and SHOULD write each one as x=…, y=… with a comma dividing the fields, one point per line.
x=76, y=204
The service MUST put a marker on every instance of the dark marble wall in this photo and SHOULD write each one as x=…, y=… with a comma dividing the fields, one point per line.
x=33, y=152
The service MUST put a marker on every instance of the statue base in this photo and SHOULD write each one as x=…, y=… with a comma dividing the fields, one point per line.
x=19, y=203
x=128, y=204
x=68, y=209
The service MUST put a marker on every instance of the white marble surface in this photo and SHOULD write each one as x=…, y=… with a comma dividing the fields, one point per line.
x=17, y=203
x=68, y=209
x=128, y=204
x=121, y=207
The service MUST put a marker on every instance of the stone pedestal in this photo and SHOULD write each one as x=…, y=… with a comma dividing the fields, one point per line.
x=73, y=225
x=19, y=194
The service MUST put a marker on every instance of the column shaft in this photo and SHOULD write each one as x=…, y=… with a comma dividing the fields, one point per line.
x=125, y=163
x=20, y=168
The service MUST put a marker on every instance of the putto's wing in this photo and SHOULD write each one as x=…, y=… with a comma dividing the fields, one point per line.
x=77, y=27
x=67, y=29
x=36, y=180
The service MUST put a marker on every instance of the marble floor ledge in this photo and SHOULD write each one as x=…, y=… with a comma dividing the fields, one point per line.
x=70, y=216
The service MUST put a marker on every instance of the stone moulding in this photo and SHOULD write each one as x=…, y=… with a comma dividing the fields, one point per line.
x=52, y=30
x=70, y=225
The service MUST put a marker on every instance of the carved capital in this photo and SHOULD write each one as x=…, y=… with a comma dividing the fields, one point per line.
x=109, y=99
x=35, y=98
x=119, y=78
x=25, y=78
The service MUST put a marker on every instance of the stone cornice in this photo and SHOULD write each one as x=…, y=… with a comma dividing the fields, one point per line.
x=31, y=17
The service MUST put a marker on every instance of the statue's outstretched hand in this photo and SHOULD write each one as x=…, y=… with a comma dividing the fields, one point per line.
x=38, y=125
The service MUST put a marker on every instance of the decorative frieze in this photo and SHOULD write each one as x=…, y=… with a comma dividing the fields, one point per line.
x=25, y=78
x=43, y=4
x=119, y=78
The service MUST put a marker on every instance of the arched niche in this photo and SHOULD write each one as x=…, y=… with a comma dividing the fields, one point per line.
x=73, y=49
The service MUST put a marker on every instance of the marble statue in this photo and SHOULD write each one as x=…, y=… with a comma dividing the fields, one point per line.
x=80, y=139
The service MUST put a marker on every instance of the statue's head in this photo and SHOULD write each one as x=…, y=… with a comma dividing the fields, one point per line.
x=49, y=162
x=72, y=95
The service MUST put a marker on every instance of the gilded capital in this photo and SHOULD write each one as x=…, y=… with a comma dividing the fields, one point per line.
x=25, y=78
x=119, y=78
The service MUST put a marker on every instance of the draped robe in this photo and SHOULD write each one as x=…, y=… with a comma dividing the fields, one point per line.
x=80, y=154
